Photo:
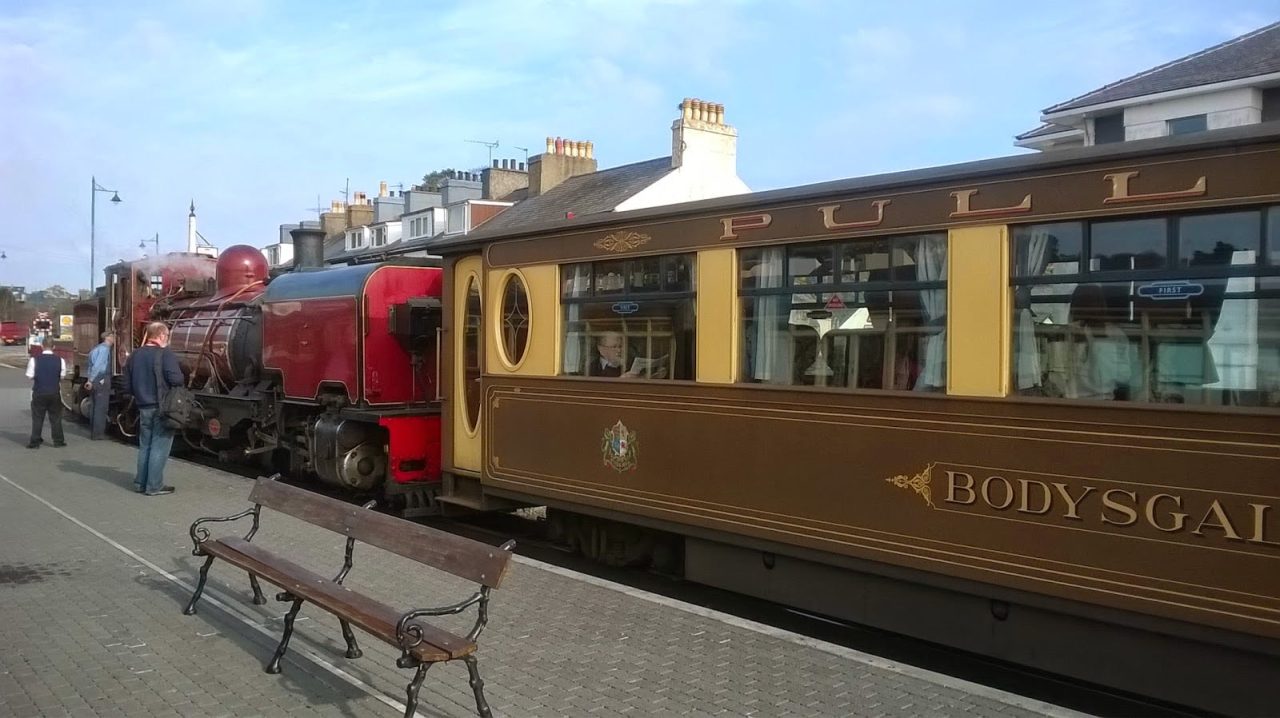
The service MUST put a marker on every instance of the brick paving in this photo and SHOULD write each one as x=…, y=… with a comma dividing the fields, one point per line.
x=93, y=579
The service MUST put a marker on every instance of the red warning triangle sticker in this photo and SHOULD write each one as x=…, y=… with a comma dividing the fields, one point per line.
x=835, y=302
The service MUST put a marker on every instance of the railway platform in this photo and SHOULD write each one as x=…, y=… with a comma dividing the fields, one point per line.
x=93, y=579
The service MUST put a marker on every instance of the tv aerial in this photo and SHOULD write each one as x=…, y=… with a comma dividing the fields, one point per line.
x=490, y=145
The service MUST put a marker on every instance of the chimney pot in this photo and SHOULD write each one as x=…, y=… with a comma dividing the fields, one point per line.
x=719, y=114
x=495, y=163
x=559, y=146
x=382, y=189
x=686, y=109
x=551, y=145
x=591, y=150
x=522, y=167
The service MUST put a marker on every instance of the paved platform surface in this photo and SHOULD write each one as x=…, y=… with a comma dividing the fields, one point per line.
x=93, y=579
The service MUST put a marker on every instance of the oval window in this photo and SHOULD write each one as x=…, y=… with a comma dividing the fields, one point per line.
x=471, y=353
x=515, y=319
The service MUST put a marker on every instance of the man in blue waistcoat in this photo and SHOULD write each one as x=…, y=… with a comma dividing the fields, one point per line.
x=46, y=372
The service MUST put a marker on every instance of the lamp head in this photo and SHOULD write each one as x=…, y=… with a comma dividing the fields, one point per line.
x=115, y=197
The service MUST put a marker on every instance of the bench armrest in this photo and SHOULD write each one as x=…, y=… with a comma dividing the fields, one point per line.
x=409, y=635
x=200, y=534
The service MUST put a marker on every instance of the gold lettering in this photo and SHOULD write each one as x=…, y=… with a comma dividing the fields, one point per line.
x=1179, y=519
x=1008, y=492
x=1120, y=189
x=1223, y=522
x=963, y=210
x=1072, y=503
x=952, y=486
x=1046, y=498
x=733, y=225
x=829, y=217
x=1129, y=511
x=1260, y=525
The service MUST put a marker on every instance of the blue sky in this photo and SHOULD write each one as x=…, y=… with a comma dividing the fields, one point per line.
x=255, y=107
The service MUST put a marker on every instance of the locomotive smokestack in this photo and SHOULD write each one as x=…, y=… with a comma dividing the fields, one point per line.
x=308, y=248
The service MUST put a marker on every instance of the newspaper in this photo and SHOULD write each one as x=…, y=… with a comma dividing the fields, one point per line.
x=655, y=367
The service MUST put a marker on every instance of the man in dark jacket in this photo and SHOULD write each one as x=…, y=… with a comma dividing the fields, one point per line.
x=155, y=439
x=45, y=372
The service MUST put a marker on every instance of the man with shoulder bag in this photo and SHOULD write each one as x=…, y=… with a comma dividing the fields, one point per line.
x=151, y=373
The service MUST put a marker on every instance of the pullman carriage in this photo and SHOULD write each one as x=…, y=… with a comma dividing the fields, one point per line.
x=1017, y=406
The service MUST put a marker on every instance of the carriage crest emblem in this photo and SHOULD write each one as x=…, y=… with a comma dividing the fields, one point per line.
x=619, y=447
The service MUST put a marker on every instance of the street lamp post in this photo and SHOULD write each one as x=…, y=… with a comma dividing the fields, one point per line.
x=93, y=211
x=142, y=244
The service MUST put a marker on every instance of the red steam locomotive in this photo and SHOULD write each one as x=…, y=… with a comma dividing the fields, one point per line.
x=323, y=371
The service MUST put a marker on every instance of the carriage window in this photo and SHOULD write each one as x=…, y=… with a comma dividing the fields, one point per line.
x=1205, y=331
x=471, y=352
x=1129, y=245
x=876, y=322
x=1273, y=236
x=515, y=319
x=632, y=318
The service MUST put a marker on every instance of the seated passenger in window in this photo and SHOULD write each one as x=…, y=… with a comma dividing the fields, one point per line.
x=1106, y=363
x=611, y=357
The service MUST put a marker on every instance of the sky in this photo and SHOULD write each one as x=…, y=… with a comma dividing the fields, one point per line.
x=255, y=108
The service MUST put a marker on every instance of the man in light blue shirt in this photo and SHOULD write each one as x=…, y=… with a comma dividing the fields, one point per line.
x=99, y=384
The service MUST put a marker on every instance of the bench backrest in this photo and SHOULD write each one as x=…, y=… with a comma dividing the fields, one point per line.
x=458, y=555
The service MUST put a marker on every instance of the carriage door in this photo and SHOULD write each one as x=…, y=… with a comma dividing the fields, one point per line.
x=467, y=389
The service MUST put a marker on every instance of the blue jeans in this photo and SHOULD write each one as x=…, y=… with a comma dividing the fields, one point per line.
x=154, y=442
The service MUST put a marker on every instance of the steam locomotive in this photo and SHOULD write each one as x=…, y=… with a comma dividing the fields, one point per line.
x=324, y=371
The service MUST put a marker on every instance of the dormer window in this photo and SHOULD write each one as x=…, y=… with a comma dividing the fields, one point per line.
x=1188, y=125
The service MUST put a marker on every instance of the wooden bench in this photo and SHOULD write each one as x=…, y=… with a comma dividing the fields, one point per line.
x=421, y=644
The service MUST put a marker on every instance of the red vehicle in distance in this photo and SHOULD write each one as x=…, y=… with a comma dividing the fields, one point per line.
x=12, y=333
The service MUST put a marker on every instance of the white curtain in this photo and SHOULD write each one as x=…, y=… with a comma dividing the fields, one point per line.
x=931, y=266
x=575, y=286
x=772, y=342
x=1031, y=263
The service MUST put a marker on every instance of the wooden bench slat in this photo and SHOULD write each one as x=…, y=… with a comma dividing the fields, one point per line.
x=357, y=608
x=458, y=555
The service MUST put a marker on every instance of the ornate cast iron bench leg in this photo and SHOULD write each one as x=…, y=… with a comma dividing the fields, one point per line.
x=477, y=687
x=353, y=651
x=190, y=610
x=415, y=685
x=258, y=598
x=274, y=665
x=199, y=535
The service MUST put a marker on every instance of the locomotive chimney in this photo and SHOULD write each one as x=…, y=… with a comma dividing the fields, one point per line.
x=308, y=248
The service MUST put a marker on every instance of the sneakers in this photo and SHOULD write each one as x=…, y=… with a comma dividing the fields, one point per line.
x=59, y=444
x=161, y=491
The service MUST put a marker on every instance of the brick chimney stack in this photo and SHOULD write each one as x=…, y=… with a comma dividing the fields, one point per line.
x=503, y=178
x=334, y=222
x=701, y=140
x=562, y=160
